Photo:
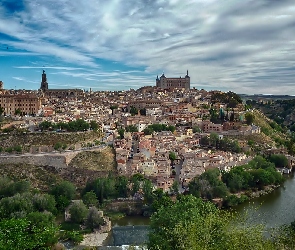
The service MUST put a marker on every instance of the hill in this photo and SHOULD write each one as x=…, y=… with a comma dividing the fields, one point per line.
x=85, y=166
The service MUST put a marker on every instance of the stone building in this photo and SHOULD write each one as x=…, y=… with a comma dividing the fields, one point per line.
x=58, y=93
x=25, y=103
x=173, y=83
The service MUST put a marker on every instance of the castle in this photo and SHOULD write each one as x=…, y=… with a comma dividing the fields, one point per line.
x=173, y=83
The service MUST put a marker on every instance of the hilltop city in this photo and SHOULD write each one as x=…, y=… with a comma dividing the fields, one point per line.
x=167, y=132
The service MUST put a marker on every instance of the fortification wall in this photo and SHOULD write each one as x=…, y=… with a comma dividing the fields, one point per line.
x=57, y=160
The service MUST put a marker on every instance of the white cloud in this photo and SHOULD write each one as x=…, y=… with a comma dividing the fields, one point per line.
x=237, y=45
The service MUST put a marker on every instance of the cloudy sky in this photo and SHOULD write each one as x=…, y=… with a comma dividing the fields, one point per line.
x=244, y=46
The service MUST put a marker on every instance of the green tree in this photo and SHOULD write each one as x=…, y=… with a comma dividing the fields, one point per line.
x=175, y=187
x=10, y=188
x=45, y=125
x=148, y=131
x=122, y=186
x=57, y=146
x=18, y=148
x=94, y=218
x=143, y=112
x=44, y=202
x=64, y=188
x=17, y=206
x=160, y=199
x=172, y=229
x=121, y=132
x=147, y=189
x=63, y=192
x=249, y=118
x=90, y=199
x=200, y=225
x=131, y=128
x=133, y=111
x=204, y=141
x=279, y=160
x=113, y=107
x=213, y=139
x=196, y=129
x=17, y=112
x=208, y=185
x=94, y=125
x=172, y=157
x=22, y=234
x=135, y=186
x=78, y=212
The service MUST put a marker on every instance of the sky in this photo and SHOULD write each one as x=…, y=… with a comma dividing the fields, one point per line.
x=243, y=46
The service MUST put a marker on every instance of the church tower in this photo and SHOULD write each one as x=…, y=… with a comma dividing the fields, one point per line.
x=44, y=84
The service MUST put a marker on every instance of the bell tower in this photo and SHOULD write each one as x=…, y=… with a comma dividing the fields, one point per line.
x=44, y=84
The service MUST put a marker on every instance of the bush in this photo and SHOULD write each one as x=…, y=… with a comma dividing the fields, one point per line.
x=78, y=212
x=9, y=150
x=74, y=236
x=94, y=219
x=18, y=148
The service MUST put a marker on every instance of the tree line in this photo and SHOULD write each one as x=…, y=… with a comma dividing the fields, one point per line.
x=71, y=126
x=255, y=175
x=191, y=223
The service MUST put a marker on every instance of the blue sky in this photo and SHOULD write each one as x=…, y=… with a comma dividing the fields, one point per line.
x=244, y=46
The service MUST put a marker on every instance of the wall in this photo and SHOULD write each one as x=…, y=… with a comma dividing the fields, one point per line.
x=57, y=160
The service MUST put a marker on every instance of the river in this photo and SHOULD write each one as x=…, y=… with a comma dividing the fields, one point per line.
x=272, y=210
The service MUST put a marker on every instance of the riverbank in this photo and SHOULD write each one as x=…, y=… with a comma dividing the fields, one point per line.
x=95, y=239
x=266, y=190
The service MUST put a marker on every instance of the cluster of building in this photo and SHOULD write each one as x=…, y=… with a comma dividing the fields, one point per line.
x=149, y=155
x=170, y=102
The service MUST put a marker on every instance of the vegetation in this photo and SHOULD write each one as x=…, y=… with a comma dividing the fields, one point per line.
x=279, y=160
x=249, y=118
x=225, y=144
x=94, y=219
x=200, y=225
x=27, y=217
x=72, y=126
x=158, y=128
x=23, y=233
x=133, y=111
x=63, y=192
x=208, y=185
x=78, y=212
x=257, y=174
x=131, y=128
x=229, y=98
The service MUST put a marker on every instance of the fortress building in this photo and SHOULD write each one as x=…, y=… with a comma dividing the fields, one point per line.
x=173, y=83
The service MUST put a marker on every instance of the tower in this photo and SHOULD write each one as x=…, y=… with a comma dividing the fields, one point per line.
x=44, y=84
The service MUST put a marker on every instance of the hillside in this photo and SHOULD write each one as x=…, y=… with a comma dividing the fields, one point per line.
x=272, y=135
x=84, y=167
x=48, y=139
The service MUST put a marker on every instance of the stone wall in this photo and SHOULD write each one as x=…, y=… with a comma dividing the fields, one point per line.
x=128, y=207
x=56, y=160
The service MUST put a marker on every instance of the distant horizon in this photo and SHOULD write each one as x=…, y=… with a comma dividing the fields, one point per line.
x=87, y=90
x=240, y=46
